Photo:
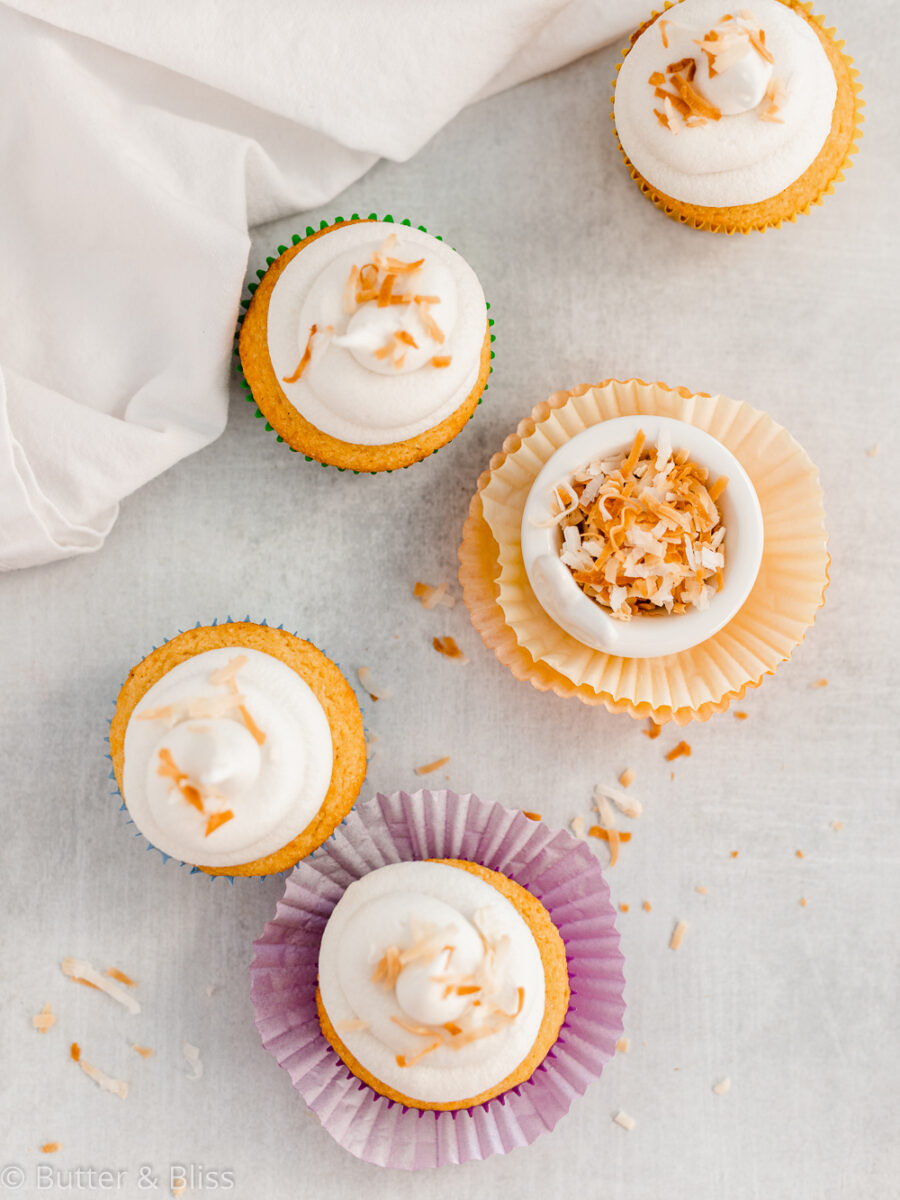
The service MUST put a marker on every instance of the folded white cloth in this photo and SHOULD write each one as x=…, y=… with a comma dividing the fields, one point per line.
x=139, y=143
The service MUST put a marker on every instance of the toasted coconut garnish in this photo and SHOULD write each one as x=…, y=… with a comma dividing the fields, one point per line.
x=775, y=94
x=629, y=805
x=51, y=1147
x=647, y=906
x=641, y=533
x=741, y=716
x=44, y=1020
x=735, y=853
x=803, y=902
x=448, y=647
x=722, y=1086
x=701, y=890
x=627, y=777
x=622, y=1045
x=441, y=360
x=216, y=820
x=307, y=354
x=678, y=935
x=432, y=328
x=351, y=287
x=364, y=675
x=143, y=1051
x=837, y=826
x=623, y=908
x=79, y=969
x=532, y=816
x=653, y=730
x=352, y=1025
x=115, y=973
x=613, y=836
x=107, y=1083
x=819, y=683
x=577, y=826
x=682, y=750
x=431, y=597
x=623, y=1119
x=192, y=1058
x=427, y=768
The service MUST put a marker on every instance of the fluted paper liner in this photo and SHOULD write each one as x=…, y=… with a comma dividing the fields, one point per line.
x=681, y=687
x=816, y=182
x=555, y=866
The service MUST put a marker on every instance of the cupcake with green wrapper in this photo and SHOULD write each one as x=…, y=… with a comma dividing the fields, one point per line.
x=367, y=344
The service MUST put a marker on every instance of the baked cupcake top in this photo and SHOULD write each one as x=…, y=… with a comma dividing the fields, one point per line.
x=721, y=108
x=432, y=979
x=375, y=332
x=227, y=757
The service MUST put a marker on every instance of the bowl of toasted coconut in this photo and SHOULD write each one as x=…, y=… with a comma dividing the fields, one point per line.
x=642, y=536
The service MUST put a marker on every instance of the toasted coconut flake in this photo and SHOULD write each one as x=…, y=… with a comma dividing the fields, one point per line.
x=75, y=1052
x=627, y=777
x=657, y=79
x=348, y=300
x=803, y=902
x=403, y=1061
x=647, y=906
x=664, y=32
x=44, y=1020
x=799, y=853
x=532, y=816
x=623, y=1119
x=115, y=973
x=837, y=825
x=874, y=451
x=352, y=1025
x=448, y=647
x=192, y=1058
x=118, y=1087
x=364, y=675
x=407, y=339
x=734, y=853
x=441, y=360
x=179, y=1186
x=678, y=935
x=703, y=891
x=143, y=1051
x=51, y=1147
x=722, y=1086
x=682, y=750
x=629, y=805
x=741, y=716
x=304, y=361
x=653, y=731
x=622, y=1045
x=217, y=820
x=81, y=969
x=597, y=831
x=623, y=908
x=431, y=597
x=577, y=826
x=819, y=683
x=427, y=768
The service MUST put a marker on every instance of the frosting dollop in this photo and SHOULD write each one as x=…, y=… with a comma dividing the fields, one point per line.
x=227, y=758
x=432, y=980
x=375, y=332
x=719, y=110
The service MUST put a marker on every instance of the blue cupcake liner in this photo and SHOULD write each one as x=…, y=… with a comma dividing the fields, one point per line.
x=296, y=238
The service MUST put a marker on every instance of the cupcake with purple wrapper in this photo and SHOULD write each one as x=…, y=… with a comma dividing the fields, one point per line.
x=441, y=953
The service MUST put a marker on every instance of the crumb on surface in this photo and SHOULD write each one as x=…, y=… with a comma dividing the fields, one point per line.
x=44, y=1020
x=819, y=683
x=701, y=889
x=627, y=777
x=431, y=597
x=837, y=826
x=682, y=750
x=722, y=1086
x=448, y=647
x=622, y=1045
x=647, y=906
x=734, y=853
x=653, y=731
x=51, y=1147
x=799, y=854
x=364, y=675
x=622, y=1118
x=577, y=827
x=532, y=816
x=623, y=908
x=803, y=902
x=741, y=715
x=427, y=768
x=678, y=935
x=143, y=1051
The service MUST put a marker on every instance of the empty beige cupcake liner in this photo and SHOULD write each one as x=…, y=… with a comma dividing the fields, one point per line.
x=684, y=687
x=812, y=187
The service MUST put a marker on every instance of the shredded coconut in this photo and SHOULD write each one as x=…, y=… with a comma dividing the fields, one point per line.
x=44, y=1020
x=364, y=674
x=722, y=1086
x=623, y=1119
x=192, y=1057
x=432, y=766
x=678, y=935
x=80, y=970
x=622, y=1045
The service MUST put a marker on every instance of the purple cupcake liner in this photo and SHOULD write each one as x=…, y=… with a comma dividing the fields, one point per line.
x=552, y=864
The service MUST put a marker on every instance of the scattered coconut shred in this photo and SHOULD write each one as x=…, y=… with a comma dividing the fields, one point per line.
x=622, y=1045
x=678, y=935
x=641, y=532
x=431, y=597
x=623, y=1119
x=364, y=674
x=577, y=827
x=432, y=766
x=51, y=1147
x=44, y=1020
x=448, y=647
x=192, y=1058
x=118, y=1087
x=79, y=970
x=723, y=1086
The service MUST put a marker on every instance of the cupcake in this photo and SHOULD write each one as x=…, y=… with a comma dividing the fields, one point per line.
x=644, y=548
x=237, y=748
x=442, y=984
x=441, y=953
x=736, y=121
x=367, y=345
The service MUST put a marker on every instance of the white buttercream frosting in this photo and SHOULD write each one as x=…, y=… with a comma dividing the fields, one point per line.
x=228, y=731
x=361, y=383
x=759, y=145
x=467, y=959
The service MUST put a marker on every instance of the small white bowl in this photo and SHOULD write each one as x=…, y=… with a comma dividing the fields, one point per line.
x=643, y=636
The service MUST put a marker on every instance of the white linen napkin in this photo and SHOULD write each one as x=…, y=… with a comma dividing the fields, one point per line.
x=139, y=144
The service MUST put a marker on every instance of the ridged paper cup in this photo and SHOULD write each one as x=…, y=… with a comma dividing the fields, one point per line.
x=695, y=683
x=552, y=864
x=816, y=182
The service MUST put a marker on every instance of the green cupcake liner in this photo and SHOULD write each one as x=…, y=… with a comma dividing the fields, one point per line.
x=296, y=238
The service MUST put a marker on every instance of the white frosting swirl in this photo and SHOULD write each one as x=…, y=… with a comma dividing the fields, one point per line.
x=228, y=731
x=740, y=158
x=347, y=390
x=446, y=917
